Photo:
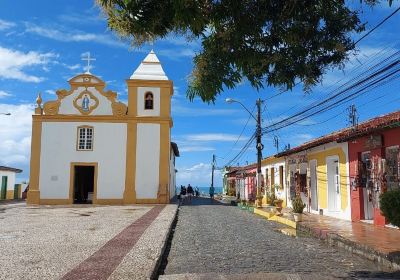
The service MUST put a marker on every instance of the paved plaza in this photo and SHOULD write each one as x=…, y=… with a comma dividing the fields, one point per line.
x=87, y=242
x=215, y=239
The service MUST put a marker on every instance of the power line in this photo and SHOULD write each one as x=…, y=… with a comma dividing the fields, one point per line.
x=240, y=135
x=376, y=76
x=376, y=26
x=242, y=151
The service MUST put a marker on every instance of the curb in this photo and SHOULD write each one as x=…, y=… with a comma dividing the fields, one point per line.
x=391, y=260
x=273, y=217
x=158, y=266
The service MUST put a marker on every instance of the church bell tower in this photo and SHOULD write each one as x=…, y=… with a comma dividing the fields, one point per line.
x=149, y=140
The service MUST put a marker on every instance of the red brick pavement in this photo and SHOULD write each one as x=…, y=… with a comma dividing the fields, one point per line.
x=102, y=263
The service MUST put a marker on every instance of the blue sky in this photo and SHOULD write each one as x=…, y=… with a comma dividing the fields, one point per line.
x=41, y=44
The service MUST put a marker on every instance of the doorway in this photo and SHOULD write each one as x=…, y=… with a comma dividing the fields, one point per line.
x=83, y=184
x=333, y=184
x=3, y=194
x=313, y=185
x=367, y=183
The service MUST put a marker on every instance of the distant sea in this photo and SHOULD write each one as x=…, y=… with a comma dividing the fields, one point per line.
x=204, y=190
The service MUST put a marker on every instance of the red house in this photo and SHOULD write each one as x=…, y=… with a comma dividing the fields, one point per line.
x=374, y=165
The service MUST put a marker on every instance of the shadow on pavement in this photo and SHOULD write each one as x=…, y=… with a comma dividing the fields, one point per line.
x=374, y=275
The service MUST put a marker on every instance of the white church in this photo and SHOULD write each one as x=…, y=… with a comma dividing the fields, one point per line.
x=87, y=147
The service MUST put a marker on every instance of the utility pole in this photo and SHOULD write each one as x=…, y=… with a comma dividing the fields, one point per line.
x=259, y=145
x=353, y=118
x=212, y=172
x=276, y=143
x=259, y=152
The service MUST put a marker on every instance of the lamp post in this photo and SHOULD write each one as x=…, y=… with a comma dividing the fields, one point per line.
x=259, y=145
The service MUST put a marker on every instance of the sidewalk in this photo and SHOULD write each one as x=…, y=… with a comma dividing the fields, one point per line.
x=379, y=244
x=83, y=242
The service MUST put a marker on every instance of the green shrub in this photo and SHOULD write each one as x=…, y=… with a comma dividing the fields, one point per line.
x=298, y=205
x=390, y=206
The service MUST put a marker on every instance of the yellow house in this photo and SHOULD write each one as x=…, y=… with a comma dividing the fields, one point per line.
x=274, y=174
x=319, y=172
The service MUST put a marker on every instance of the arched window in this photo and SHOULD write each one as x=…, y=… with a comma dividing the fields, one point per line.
x=148, y=101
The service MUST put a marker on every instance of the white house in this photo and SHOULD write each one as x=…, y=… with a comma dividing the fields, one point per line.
x=87, y=147
x=7, y=180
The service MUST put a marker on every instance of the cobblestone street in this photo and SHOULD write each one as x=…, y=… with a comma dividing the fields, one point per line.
x=226, y=240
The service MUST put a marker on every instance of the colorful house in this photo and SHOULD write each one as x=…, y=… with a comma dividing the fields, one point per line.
x=229, y=180
x=9, y=190
x=374, y=156
x=242, y=182
x=250, y=181
x=318, y=172
x=274, y=175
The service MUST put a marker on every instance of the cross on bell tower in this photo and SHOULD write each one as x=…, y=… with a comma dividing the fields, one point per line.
x=88, y=59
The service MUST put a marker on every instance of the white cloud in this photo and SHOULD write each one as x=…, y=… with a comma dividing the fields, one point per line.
x=15, y=135
x=181, y=110
x=72, y=67
x=197, y=175
x=74, y=36
x=50, y=91
x=13, y=64
x=181, y=41
x=83, y=18
x=176, y=53
x=224, y=137
x=6, y=25
x=4, y=94
x=195, y=149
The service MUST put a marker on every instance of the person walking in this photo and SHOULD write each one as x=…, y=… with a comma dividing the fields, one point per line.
x=190, y=192
x=182, y=194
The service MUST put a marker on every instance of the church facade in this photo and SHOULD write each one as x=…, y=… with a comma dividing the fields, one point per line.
x=87, y=147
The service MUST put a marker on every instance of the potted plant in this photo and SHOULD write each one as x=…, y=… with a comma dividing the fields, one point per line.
x=298, y=207
x=277, y=187
x=278, y=203
x=271, y=198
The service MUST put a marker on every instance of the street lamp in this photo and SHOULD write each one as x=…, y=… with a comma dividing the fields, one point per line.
x=259, y=145
x=6, y=114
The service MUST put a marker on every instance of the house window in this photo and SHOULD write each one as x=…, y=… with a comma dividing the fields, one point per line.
x=392, y=168
x=148, y=101
x=85, y=138
x=365, y=170
x=281, y=176
x=272, y=176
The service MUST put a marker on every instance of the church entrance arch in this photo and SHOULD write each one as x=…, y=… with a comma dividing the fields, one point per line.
x=83, y=182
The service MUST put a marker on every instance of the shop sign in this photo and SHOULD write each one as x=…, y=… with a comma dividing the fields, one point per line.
x=297, y=159
x=373, y=142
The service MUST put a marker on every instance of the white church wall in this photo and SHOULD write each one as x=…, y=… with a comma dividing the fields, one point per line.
x=147, y=160
x=58, y=150
x=140, y=101
x=67, y=104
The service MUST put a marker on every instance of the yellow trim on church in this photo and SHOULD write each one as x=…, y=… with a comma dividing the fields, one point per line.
x=121, y=114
